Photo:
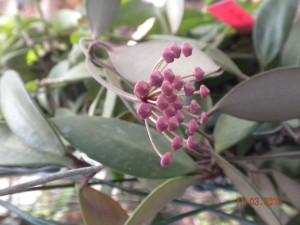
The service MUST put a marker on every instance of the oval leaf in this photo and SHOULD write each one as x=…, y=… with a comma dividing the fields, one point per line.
x=272, y=28
x=15, y=153
x=158, y=198
x=270, y=96
x=101, y=14
x=246, y=189
x=24, y=118
x=289, y=187
x=136, y=62
x=99, y=209
x=290, y=55
x=230, y=130
x=122, y=146
x=175, y=11
x=30, y=219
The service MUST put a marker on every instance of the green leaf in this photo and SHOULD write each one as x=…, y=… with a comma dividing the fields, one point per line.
x=101, y=14
x=158, y=198
x=290, y=55
x=175, y=11
x=76, y=73
x=231, y=130
x=15, y=153
x=223, y=60
x=122, y=146
x=272, y=28
x=98, y=208
x=247, y=190
x=289, y=187
x=30, y=219
x=150, y=52
x=24, y=118
x=269, y=96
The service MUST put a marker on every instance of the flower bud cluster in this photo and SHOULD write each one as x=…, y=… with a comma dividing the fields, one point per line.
x=163, y=102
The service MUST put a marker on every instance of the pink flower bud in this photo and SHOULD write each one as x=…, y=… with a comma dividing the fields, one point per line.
x=156, y=79
x=180, y=116
x=172, y=123
x=199, y=74
x=203, y=118
x=177, y=143
x=168, y=55
x=161, y=124
x=166, y=159
x=167, y=88
x=162, y=103
x=169, y=75
x=178, y=103
x=144, y=111
x=192, y=143
x=189, y=89
x=204, y=91
x=170, y=111
x=187, y=49
x=177, y=83
x=194, y=107
x=171, y=98
x=141, y=89
x=176, y=50
x=192, y=126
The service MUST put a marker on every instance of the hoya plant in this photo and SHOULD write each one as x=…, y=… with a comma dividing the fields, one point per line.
x=190, y=104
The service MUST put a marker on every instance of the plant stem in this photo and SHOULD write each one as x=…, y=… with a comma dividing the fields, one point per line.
x=60, y=175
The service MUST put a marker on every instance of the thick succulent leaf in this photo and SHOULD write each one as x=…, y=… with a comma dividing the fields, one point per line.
x=15, y=153
x=289, y=187
x=272, y=28
x=223, y=60
x=158, y=198
x=290, y=55
x=136, y=62
x=175, y=11
x=122, y=146
x=247, y=190
x=99, y=209
x=101, y=14
x=230, y=130
x=24, y=118
x=65, y=75
x=30, y=219
x=269, y=96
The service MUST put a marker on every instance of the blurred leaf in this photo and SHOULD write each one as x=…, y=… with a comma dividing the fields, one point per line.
x=24, y=118
x=66, y=20
x=99, y=209
x=15, y=153
x=63, y=75
x=133, y=13
x=30, y=219
x=122, y=146
x=158, y=198
x=267, y=190
x=289, y=187
x=101, y=14
x=231, y=130
x=59, y=69
x=109, y=104
x=223, y=60
x=273, y=25
x=290, y=56
x=124, y=60
x=175, y=11
x=269, y=96
x=246, y=189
